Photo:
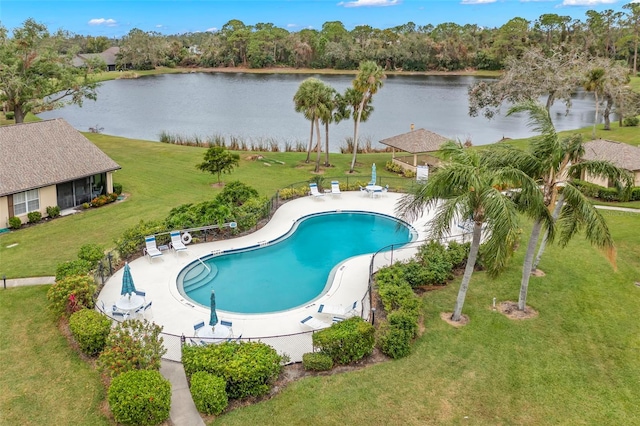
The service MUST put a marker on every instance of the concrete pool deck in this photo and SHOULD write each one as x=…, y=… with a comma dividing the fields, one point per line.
x=157, y=277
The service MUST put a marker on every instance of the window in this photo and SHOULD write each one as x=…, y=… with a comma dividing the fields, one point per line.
x=25, y=202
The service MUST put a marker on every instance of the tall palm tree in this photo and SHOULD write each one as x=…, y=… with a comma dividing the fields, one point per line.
x=464, y=187
x=554, y=164
x=350, y=103
x=366, y=83
x=333, y=113
x=310, y=100
x=594, y=82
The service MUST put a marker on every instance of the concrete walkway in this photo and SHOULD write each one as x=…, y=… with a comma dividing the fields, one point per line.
x=20, y=282
x=183, y=410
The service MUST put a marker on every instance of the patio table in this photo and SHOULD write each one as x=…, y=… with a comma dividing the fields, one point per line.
x=218, y=335
x=130, y=304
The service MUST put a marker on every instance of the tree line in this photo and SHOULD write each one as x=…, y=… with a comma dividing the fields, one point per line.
x=408, y=47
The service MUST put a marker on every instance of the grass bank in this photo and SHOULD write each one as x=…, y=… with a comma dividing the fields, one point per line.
x=576, y=363
x=43, y=381
x=156, y=177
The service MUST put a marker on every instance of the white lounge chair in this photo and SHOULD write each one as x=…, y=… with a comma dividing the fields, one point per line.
x=176, y=242
x=313, y=187
x=339, y=310
x=151, y=249
x=315, y=323
x=335, y=188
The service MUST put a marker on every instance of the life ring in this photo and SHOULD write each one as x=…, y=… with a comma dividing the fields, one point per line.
x=186, y=238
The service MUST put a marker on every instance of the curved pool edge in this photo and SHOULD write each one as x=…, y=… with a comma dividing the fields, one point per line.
x=257, y=245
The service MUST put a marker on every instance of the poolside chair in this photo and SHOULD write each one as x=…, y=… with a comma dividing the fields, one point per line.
x=140, y=293
x=119, y=315
x=364, y=191
x=315, y=323
x=197, y=327
x=229, y=325
x=339, y=310
x=176, y=242
x=335, y=188
x=151, y=249
x=313, y=187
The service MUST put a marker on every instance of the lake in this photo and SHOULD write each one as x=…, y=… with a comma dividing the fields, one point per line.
x=259, y=107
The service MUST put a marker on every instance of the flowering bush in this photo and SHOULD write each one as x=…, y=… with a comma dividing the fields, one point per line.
x=71, y=294
x=132, y=345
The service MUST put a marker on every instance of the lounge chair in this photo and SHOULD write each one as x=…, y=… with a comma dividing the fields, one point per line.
x=176, y=242
x=313, y=187
x=364, y=191
x=339, y=310
x=151, y=249
x=335, y=188
x=315, y=323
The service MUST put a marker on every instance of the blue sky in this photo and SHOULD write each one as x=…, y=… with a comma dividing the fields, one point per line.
x=115, y=18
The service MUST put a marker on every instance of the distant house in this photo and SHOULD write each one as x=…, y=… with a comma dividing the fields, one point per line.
x=623, y=155
x=109, y=57
x=49, y=163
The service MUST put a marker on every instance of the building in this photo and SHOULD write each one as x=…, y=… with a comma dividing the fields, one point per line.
x=109, y=57
x=620, y=154
x=49, y=163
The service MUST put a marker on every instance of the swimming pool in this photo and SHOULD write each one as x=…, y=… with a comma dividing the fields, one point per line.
x=292, y=270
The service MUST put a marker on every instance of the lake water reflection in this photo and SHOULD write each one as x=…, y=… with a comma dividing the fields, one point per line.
x=259, y=107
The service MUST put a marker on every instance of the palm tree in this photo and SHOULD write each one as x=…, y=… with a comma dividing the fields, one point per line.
x=351, y=102
x=464, y=187
x=310, y=99
x=366, y=83
x=333, y=113
x=554, y=163
x=595, y=83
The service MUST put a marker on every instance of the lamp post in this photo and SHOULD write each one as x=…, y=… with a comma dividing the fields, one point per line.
x=4, y=281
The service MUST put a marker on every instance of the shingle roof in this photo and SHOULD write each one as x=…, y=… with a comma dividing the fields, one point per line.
x=622, y=155
x=108, y=56
x=416, y=141
x=33, y=155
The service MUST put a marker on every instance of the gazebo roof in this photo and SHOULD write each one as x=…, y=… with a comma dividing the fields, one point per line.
x=416, y=141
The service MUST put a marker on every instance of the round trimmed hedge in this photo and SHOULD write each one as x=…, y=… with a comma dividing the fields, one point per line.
x=209, y=392
x=140, y=397
x=90, y=329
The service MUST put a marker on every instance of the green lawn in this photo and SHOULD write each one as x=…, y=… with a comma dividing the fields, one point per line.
x=158, y=177
x=577, y=363
x=43, y=381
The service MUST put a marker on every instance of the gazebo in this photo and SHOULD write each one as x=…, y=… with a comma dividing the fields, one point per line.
x=419, y=143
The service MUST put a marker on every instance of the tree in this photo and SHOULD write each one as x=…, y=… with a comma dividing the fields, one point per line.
x=554, y=75
x=553, y=164
x=633, y=21
x=35, y=76
x=366, y=84
x=334, y=112
x=594, y=82
x=465, y=187
x=312, y=99
x=218, y=160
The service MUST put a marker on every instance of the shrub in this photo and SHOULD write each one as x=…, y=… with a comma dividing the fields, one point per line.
x=434, y=258
x=117, y=188
x=409, y=173
x=86, y=206
x=236, y=193
x=404, y=320
x=132, y=239
x=393, y=341
x=415, y=274
x=394, y=167
x=208, y=393
x=346, y=341
x=92, y=253
x=635, y=194
x=248, y=215
x=71, y=294
x=15, y=222
x=53, y=211
x=609, y=194
x=10, y=115
x=587, y=188
x=249, y=368
x=627, y=122
x=317, y=361
x=458, y=253
x=90, y=329
x=288, y=193
x=34, y=217
x=72, y=267
x=140, y=398
x=132, y=345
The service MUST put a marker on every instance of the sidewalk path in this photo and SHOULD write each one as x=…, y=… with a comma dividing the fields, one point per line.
x=20, y=282
x=183, y=410
x=619, y=209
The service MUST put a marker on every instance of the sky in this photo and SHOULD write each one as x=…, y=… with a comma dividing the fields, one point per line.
x=115, y=18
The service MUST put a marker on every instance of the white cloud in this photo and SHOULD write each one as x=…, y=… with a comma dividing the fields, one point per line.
x=292, y=25
x=102, y=21
x=159, y=26
x=587, y=2
x=211, y=30
x=477, y=1
x=374, y=3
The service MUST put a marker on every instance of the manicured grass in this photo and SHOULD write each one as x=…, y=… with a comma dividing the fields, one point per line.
x=43, y=381
x=574, y=364
x=157, y=178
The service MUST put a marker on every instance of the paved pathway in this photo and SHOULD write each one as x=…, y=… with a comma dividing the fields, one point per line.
x=19, y=282
x=183, y=410
x=619, y=209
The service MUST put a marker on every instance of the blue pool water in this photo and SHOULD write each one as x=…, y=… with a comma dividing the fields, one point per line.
x=293, y=270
